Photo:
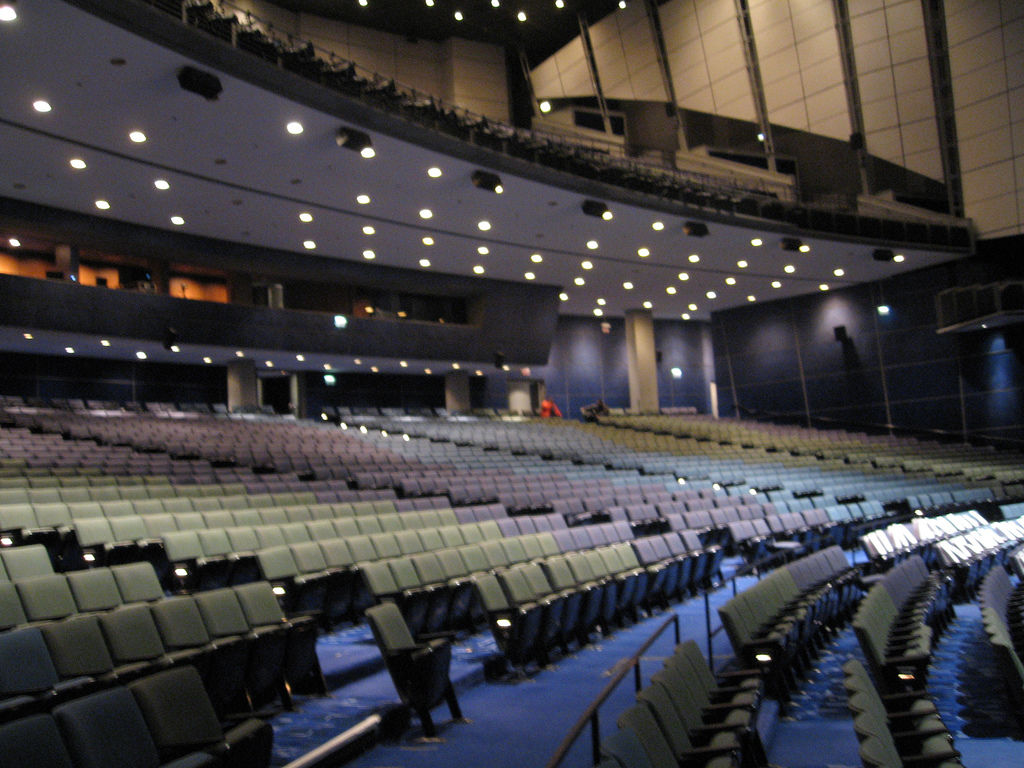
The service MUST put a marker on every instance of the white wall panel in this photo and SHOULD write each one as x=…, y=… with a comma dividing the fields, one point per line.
x=564, y=75
x=986, y=60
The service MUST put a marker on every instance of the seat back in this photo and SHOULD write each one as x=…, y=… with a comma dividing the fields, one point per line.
x=33, y=742
x=107, y=729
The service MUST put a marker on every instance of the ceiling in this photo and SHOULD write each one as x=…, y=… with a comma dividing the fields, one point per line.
x=235, y=173
x=546, y=29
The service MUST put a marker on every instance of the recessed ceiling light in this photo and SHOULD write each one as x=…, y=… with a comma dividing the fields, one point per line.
x=368, y=230
x=478, y=269
x=357, y=361
x=424, y=262
x=368, y=152
x=363, y=2
x=671, y=290
x=427, y=371
x=177, y=220
x=69, y=350
x=103, y=205
x=658, y=226
x=545, y=106
x=363, y=199
x=29, y=336
x=369, y=255
x=294, y=128
x=742, y=264
x=823, y=287
x=41, y=106
x=694, y=258
x=161, y=184
x=483, y=250
x=712, y=295
x=521, y=16
x=692, y=307
x=104, y=342
x=434, y=173
x=536, y=258
x=592, y=244
x=14, y=242
x=628, y=286
x=776, y=284
x=648, y=305
x=751, y=297
x=141, y=355
x=839, y=272
x=563, y=296
x=7, y=12
x=598, y=311
x=883, y=310
x=530, y=276
x=684, y=276
x=403, y=363
x=426, y=213
x=559, y=3
x=308, y=217
x=428, y=241
x=804, y=248
x=601, y=302
x=685, y=316
x=239, y=353
x=756, y=242
x=579, y=281
x=77, y=163
x=587, y=265
x=789, y=269
x=484, y=226
x=643, y=253
x=730, y=281
x=207, y=360
x=309, y=244
x=301, y=358
x=898, y=258
x=137, y=137
x=459, y=16
x=456, y=366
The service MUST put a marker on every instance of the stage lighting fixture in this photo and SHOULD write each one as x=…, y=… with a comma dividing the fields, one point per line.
x=596, y=208
x=353, y=139
x=486, y=180
x=198, y=81
x=882, y=254
x=790, y=243
x=695, y=228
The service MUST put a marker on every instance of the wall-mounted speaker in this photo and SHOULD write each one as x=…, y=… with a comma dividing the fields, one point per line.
x=206, y=84
x=840, y=332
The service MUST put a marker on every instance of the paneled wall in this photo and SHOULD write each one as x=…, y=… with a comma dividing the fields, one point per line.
x=986, y=58
x=785, y=357
x=588, y=362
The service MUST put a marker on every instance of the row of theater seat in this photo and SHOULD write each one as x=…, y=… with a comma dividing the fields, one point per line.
x=778, y=623
x=1001, y=602
x=248, y=652
x=686, y=716
x=163, y=720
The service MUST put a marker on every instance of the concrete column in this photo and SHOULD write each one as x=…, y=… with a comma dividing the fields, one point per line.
x=456, y=392
x=66, y=259
x=642, y=362
x=242, y=390
x=297, y=392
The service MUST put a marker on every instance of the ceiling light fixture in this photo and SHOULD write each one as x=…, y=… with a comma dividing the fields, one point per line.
x=7, y=12
x=545, y=106
x=363, y=199
x=41, y=106
x=14, y=242
x=308, y=217
x=177, y=221
x=587, y=265
x=77, y=163
x=684, y=276
x=648, y=305
x=369, y=255
x=434, y=172
x=428, y=241
x=757, y=241
x=483, y=250
x=478, y=270
x=643, y=253
x=309, y=244
x=487, y=180
x=426, y=213
x=161, y=184
x=536, y=258
x=368, y=230
x=592, y=245
x=597, y=208
x=103, y=205
x=294, y=128
x=138, y=137
x=484, y=226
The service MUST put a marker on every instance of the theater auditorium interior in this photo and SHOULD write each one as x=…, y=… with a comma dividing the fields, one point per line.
x=284, y=283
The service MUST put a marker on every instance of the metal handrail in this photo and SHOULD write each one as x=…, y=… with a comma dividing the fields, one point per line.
x=591, y=715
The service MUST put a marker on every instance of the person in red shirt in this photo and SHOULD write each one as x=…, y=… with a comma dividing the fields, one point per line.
x=549, y=409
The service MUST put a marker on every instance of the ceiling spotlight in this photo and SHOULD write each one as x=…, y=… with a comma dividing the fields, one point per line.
x=162, y=184
x=434, y=173
x=356, y=140
x=756, y=242
x=536, y=258
x=77, y=163
x=14, y=242
x=306, y=217
x=200, y=82
x=805, y=248
x=597, y=208
x=7, y=12
x=484, y=225
x=138, y=137
x=790, y=243
x=483, y=250
x=643, y=253
x=898, y=258
x=41, y=106
x=882, y=254
x=545, y=106
x=294, y=128
x=695, y=229
x=486, y=180
x=648, y=305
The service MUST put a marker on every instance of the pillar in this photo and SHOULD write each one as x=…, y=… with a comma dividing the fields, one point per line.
x=66, y=260
x=642, y=362
x=242, y=390
x=456, y=392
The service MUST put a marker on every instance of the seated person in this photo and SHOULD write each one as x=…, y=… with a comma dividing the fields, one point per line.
x=594, y=410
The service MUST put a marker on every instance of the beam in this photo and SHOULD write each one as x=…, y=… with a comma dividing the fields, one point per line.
x=756, y=83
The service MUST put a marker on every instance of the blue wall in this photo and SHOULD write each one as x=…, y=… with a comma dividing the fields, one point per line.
x=783, y=357
x=587, y=363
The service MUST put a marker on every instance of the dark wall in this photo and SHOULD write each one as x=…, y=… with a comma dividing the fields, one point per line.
x=587, y=363
x=380, y=390
x=783, y=357
x=121, y=381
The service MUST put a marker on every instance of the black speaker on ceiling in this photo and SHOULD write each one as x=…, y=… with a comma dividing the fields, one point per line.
x=170, y=338
x=840, y=332
x=882, y=254
x=206, y=84
x=499, y=360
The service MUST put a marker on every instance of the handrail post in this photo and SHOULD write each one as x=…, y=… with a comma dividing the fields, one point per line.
x=595, y=737
x=707, y=627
